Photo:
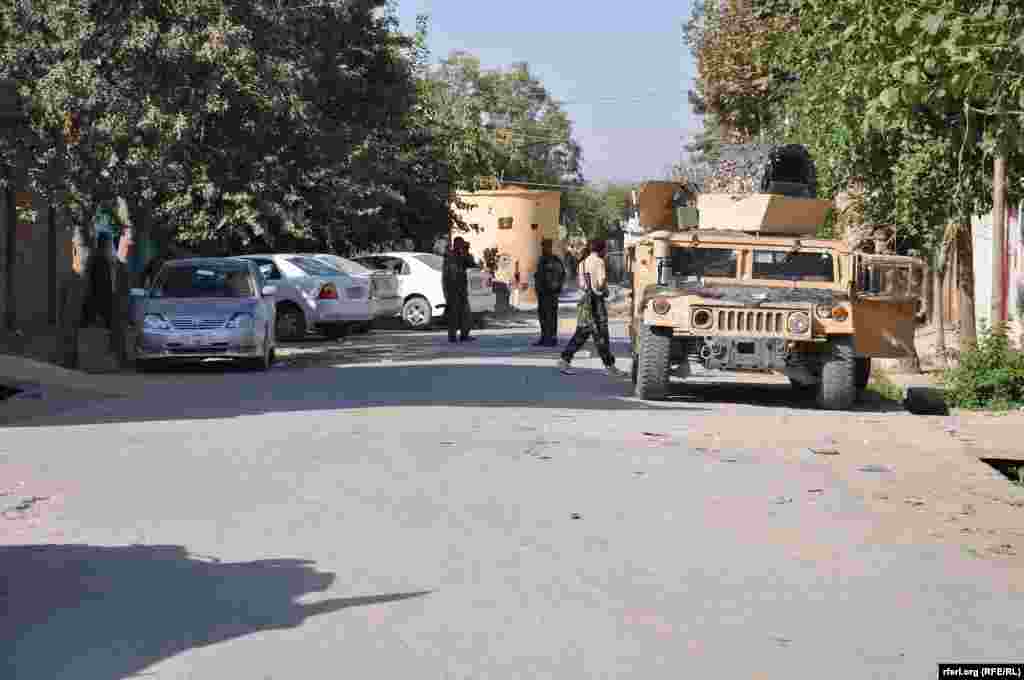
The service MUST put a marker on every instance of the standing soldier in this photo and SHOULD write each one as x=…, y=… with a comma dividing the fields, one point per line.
x=548, y=280
x=592, y=318
x=456, y=291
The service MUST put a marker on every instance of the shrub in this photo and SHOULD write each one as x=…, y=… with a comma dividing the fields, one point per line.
x=990, y=375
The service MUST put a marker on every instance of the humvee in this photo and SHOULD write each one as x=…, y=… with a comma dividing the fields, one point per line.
x=740, y=283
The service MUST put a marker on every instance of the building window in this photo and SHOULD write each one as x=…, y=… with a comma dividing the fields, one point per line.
x=504, y=223
x=475, y=227
x=535, y=227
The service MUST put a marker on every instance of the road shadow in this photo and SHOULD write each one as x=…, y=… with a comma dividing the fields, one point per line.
x=82, y=611
x=359, y=387
x=780, y=395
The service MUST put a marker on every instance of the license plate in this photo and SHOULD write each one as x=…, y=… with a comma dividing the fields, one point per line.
x=198, y=340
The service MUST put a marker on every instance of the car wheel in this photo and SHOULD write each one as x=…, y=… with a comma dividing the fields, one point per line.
x=416, y=313
x=653, y=363
x=837, y=390
x=290, y=323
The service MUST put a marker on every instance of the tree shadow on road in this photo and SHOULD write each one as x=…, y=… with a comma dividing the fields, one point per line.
x=82, y=611
x=217, y=396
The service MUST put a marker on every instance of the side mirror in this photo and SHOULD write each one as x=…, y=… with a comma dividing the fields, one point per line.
x=137, y=292
x=269, y=291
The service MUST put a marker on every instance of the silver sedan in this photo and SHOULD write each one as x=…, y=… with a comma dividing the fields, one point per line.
x=206, y=308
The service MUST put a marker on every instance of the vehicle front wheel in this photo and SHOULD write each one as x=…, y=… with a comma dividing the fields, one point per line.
x=653, y=362
x=838, y=387
x=290, y=323
x=416, y=313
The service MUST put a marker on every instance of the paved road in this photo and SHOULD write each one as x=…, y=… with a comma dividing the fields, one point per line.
x=404, y=508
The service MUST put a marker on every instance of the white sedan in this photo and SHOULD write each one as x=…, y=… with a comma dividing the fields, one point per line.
x=311, y=294
x=421, y=289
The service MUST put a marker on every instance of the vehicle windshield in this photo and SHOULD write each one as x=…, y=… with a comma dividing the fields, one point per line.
x=431, y=260
x=204, y=281
x=341, y=264
x=313, y=267
x=691, y=264
x=780, y=265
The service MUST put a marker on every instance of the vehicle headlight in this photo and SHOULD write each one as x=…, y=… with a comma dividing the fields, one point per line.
x=242, y=320
x=798, y=323
x=156, y=322
x=840, y=314
x=823, y=311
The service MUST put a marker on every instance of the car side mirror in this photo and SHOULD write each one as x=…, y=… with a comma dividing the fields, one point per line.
x=269, y=291
x=137, y=292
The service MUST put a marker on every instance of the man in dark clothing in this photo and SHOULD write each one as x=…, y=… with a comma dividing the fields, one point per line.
x=456, y=291
x=548, y=281
x=99, y=296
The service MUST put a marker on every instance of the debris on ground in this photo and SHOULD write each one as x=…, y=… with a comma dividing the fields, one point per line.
x=874, y=468
x=913, y=500
x=782, y=500
x=826, y=447
x=576, y=515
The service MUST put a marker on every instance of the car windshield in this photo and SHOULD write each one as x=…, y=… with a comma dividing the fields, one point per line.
x=313, y=267
x=691, y=264
x=341, y=264
x=431, y=260
x=780, y=265
x=204, y=281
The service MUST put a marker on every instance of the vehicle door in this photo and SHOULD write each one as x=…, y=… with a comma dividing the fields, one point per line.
x=266, y=309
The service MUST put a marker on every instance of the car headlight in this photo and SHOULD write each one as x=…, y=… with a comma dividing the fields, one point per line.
x=242, y=320
x=798, y=323
x=156, y=322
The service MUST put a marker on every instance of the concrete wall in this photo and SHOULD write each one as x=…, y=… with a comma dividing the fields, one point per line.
x=33, y=271
x=534, y=216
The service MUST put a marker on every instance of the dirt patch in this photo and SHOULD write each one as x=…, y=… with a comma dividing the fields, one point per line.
x=923, y=484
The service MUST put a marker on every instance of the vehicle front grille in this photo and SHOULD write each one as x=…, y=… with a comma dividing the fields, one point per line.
x=189, y=323
x=757, y=321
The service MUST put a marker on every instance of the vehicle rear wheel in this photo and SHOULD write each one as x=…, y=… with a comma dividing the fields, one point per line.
x=838, y=387
x=863, y=372
x=416, y=313
x=653, y=362
x=290, y=323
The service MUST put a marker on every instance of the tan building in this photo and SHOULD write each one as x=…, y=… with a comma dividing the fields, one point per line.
x=514, y=221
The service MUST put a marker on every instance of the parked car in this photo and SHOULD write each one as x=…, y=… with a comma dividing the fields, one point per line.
x=205, y=308
x=312, y=295
x=419, y=285
x=385, y=302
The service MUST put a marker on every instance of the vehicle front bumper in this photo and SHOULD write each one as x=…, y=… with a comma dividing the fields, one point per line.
x=217, y=344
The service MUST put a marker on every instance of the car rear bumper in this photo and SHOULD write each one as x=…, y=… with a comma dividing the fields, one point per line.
x=329, y=311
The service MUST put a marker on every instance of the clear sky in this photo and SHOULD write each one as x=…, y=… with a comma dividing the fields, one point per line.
x=621, y=68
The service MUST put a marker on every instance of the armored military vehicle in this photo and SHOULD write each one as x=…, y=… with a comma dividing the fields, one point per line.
x=738, y=282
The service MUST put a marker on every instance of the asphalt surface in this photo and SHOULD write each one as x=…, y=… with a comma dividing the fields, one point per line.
x=393, y=506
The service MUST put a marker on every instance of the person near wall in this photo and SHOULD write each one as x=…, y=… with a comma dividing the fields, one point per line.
x=592, y=318
x=456, y=291
x=548, y=281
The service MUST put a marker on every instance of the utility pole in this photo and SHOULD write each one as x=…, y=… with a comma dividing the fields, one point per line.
x=998, y=312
